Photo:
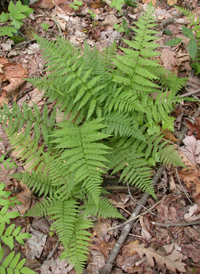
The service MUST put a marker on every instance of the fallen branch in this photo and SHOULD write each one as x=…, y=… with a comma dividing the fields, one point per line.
x=136, y=217
x=197, y=222
x=126, y=229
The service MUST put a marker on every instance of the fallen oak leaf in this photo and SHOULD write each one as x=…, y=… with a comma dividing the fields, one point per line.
x=15, y=74
x=193, y=128
x=172, y=261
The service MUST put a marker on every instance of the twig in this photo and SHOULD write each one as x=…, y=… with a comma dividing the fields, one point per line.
x=125, y=231
x=129, y=192
x=170, y=20
x=189, y=93
x=183, y=187
x=136, y=217
x=52, y=251
x=59, y=29
x=197, y=222
x=24, y=43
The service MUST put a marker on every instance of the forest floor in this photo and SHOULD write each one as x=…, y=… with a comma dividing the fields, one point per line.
x=169, y=233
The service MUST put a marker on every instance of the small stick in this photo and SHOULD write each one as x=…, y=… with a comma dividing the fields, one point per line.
x=52, y=251
x=197, y=222
x=129, y=192
x=189, y=93
x=59, y=29
x=126, y=229
x=136, y=217
x=183, y=187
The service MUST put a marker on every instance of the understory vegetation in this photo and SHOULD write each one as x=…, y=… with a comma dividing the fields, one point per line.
x=114, y=109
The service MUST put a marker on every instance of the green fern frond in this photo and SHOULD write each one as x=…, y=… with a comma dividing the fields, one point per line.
x=29, y=151
x=76, y=251
x=123, y=100
x=41, y=209
x=134, y=74
x=28, y=118
x=83, y=153
x=104, y=209
x=64, y=216
x=134, y=167
x=191, y=16
x=38, y=182
x=122, y=125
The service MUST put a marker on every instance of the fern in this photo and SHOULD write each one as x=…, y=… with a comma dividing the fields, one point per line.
x=8, y=234
x=114, y=124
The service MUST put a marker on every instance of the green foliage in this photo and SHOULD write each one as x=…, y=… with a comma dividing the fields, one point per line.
x=45, y=26
x=122, y=27
x=118, y=4
x=15, y=17
x=116, y=105
x=76, y=4
x=192, y=33
x=9, y=233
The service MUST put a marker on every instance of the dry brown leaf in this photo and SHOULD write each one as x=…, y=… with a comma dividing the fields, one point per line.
x=191, y=149
x=168, y=135
x=172, y=261
x=132, y=244
x=171, y=2
x=44, y=4
x=15, y=74
x=149, y=1
x=145, y=233
x=97, y=4
x=168, y=58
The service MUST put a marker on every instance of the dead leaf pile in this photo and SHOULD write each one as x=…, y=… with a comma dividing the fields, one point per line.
x=14, y=74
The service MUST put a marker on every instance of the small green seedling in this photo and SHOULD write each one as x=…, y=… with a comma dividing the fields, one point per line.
x=76, y=5
x=45, y=26
x=92, y=14
x=118, y=4
x=14, y=18
x=122, y=27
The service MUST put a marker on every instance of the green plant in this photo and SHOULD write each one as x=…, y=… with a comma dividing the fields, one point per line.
x=118, y=4
x=92, y=14
x=122, y=27
x=117, y=104
x=8, y=234
x=15, y=17
x=45, y=26
x=194, y=36
x=76, y=4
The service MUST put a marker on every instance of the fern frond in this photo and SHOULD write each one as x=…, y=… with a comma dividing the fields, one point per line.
x=191, y=16
x=134, y=73
x=29, y=151
x=76, y=251
x=29, y=119
x=122, y=125
x=41, y=209
x=134, y=167
x=38, y=182
x=66, y=60
x=83, y=153
x=64, y=216
x=104, y=209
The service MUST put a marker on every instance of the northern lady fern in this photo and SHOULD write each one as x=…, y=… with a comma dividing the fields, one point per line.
x=114, y=125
